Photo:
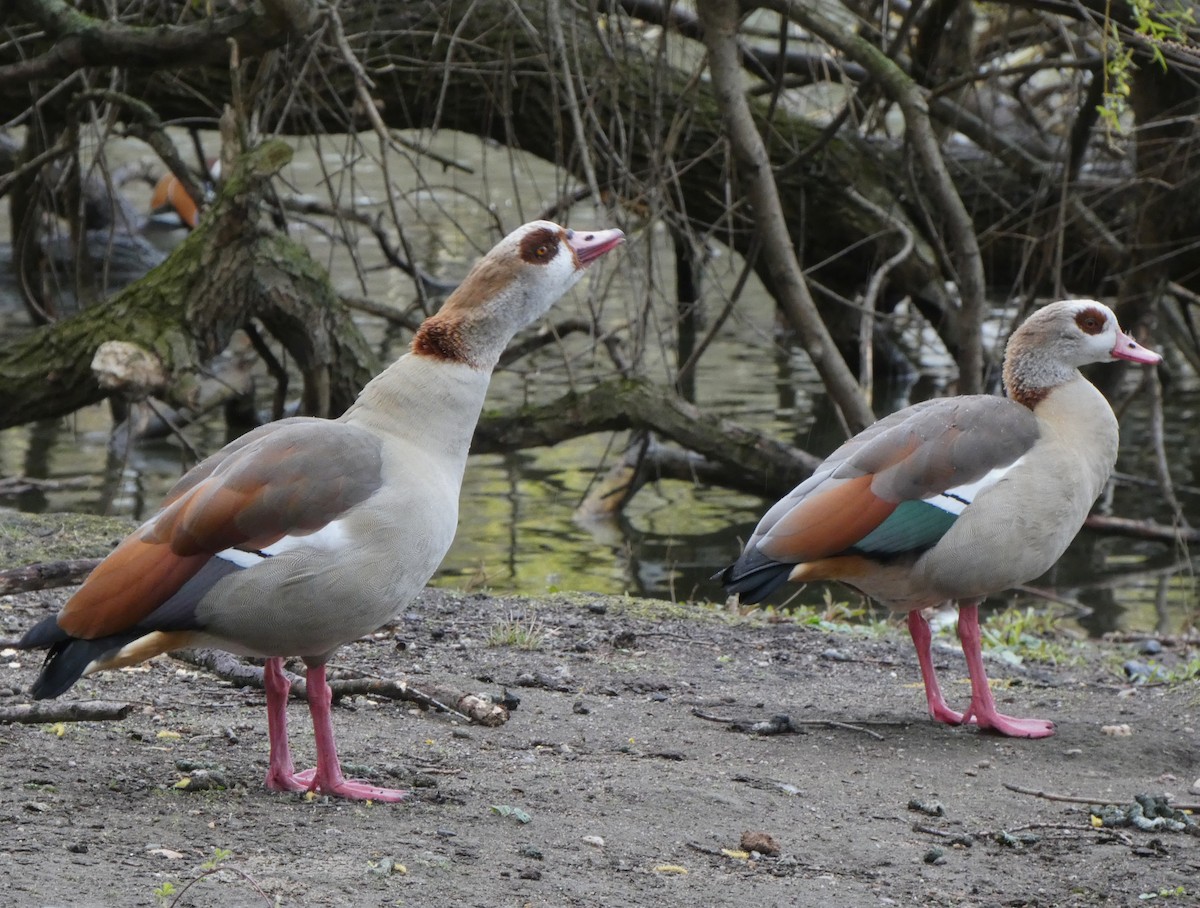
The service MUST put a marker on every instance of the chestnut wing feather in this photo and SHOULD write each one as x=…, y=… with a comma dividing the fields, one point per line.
x=913, y=455
x=285, y=479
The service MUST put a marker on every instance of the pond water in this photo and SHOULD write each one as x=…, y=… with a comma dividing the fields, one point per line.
x=518, y=532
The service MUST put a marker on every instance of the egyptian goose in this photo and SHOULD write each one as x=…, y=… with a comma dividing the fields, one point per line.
x=959, y=497
x=306, y=534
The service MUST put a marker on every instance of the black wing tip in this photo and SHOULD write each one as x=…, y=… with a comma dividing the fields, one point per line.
x=67, y=657
x=753, y=582
x=46, y=633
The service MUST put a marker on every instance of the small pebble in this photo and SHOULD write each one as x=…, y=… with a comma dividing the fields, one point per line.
x=1116, y=731
x=932, y=808
x=935, y=856
x=1142, y=672
x=835, y=655
x=1150, y=647
x=202, y=780
x=594, y=840
x=624, y=639
x=761, y=842
x=580, y=708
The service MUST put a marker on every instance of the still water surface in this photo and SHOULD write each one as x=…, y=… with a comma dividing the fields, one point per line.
x=517, y=528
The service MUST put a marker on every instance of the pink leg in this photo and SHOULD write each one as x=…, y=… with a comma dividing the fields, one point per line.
x=983, y=706
x=327, y=778
x=280, y=772
x=918, y=627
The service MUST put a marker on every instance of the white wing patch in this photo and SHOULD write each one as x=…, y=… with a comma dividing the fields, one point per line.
x=955, y=500
x=330, y=538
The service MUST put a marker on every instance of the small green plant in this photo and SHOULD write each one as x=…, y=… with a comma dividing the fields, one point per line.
x=1020, y=635
x=835, y=614
x=1161, y=24
x=530, y=634
x=1163, y=893
x=218, y=855
x=1179, y=674
x=170, y=893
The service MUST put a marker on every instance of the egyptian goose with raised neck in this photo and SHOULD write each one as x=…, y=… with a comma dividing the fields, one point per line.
x=959, y=497
x=306, y=534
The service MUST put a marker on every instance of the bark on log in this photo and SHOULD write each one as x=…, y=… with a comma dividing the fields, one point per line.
x=46, y=575
x=750, y=460
x=45, y=713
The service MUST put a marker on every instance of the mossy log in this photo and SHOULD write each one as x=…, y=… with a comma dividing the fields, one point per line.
x=230, y=270
x=748, y=460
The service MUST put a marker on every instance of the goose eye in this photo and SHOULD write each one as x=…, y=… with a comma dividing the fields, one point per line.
x=1091, y=322
x=542, y=251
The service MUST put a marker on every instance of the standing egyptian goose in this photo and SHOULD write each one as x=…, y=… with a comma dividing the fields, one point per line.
x=959, y=497
x=306, y=534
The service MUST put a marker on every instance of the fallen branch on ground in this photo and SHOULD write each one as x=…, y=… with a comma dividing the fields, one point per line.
x=66, y=711
x=467, y=706
x=45, y=575
x=780, y=724
x=965, y=838
x=1072, y=799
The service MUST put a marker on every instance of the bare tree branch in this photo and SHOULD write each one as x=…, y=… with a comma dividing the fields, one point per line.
x=720, y=18
x=960, y=229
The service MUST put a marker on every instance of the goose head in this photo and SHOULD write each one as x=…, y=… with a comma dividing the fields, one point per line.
x=511, y=287
x=1048, y=349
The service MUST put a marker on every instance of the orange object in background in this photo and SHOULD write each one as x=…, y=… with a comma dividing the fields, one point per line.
x=169, y=195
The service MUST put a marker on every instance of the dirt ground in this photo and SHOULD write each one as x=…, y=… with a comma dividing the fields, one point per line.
x=630, y=789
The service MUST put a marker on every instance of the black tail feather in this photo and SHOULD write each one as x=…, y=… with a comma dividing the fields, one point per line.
x=67, y=656
x=754, y=577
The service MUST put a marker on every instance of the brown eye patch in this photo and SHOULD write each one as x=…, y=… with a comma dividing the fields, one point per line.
x=540, y=246
x=1091, y=321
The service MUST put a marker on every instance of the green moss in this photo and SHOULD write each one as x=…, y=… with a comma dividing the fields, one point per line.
x=34, y=538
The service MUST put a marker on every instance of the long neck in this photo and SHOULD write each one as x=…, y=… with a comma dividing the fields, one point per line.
x=1078, y=419
x=1029, y=378
x=479, y=319
x=420, y=399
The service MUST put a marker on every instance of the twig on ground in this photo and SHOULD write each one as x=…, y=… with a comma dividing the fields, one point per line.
x=781, y=724
x=66, y=711
x=966, y=837
x=220, y=868
x=45, y=575
x=466, y=706
x=1072, y=799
